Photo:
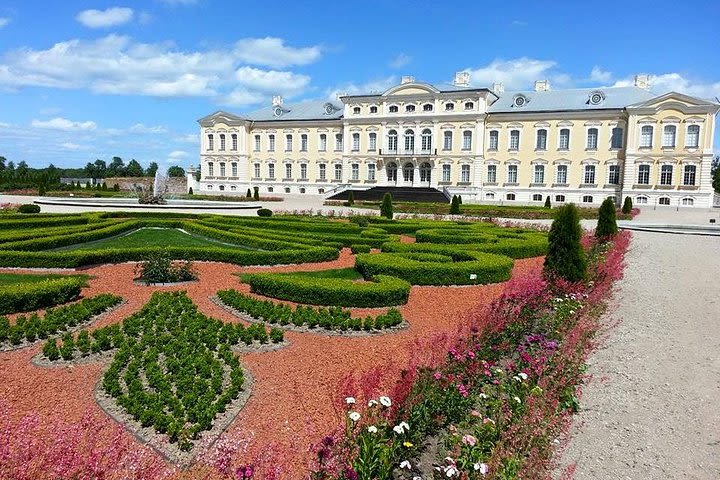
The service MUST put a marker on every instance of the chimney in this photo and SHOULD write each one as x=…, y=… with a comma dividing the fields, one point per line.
x=462, y=79
x=407, y=79
x=339, y=96
x=642, y=81
x=542, y=85
x=277, y=100
x=498, y=88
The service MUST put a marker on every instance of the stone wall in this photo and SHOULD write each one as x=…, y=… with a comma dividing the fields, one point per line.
x=176, y=185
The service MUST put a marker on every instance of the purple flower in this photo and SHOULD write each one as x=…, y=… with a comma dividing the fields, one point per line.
x=350, y=474
x=328, y=441
x=245, y=472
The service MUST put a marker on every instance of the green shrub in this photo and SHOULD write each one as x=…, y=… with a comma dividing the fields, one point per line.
x=29, y=208
x=351, y=198
x=360, y=220
x=248, y=195
x=158, y=267
x=26, y=297
x=358, y=248
x=454, y=206
x=565, y=258
x=264, y=212
x=256, y=193
x=627, y=205
x=547, y=202
x=116, y=188
x=386, y=209
x=607, y=221
x=190, y=191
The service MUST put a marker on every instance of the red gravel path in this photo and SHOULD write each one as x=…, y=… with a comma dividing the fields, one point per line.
x=292, y=401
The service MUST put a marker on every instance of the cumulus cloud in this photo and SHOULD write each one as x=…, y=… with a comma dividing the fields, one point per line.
x=177, y=154
x=4, y=21
x=371, y=87
x=110, y=17
x=400, y=60
x=4, y=125
x=599, y=75
x=72, y=146
x=273, y=52
x=666, y=82
x=64, y=124
x=515, y=74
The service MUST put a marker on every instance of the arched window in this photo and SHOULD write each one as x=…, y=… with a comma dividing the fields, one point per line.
x=465, y=173
x=512, y=174
x=490, y=196
x=646, y=136
x=589, y=178
x=494, y=140
x=355, y=171
x=425, y=170
x=233, y=169
x=426, y=140
x=409, y=138
x=303, y=171
x=256, y=170
x=355, y=142
x=271, y=143
x=393, y=109
x=562, y=175
x=391, y=170
x=447, y=140
x=616, y=140
x=491, y=174
x=356, y=110
x=564, y=141
x=446, y=172
x=467, y=140
x=449, y=107
x=664, y=201
x=271, y=171
x=287, y=189
x=288, y=171
x=469, y=105
x=587, y=199
x=592, y=139
x=669, y=136
x=537, y=197
x=666, y=174
x=408, y=172
x=372, y=141
x=211, y=169
x=392, y=141
x=541, y=140
x=257, y=143
x=641, y=200
x=211, y=142
x=614, y=174
x=539, y=174
x=373, y=109
x=560, y=198
x=322, y=171
x=643, y=174
x=233, y=188
x=371, y=172
x=409, y=108
x=689, y=174
x=510, y=196
x=338, y=142
x=428, y=107
x=514, y=139
x=303, y=142
x=688, y=201
x=338, y=172
x=209, y=187
x=270, y=189
x=234, y=144
x=323, y=142
x=302, y=189
x=692, y=139
x=222, y=143
x=222, y=188
x=288, y=142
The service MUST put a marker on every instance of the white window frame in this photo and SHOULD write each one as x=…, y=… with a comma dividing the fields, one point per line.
x=512, y=173
x=356, y=142
x=257, y=143
x=234, y=142
x=593, y=135
x=539, y=173
x=494, y=140
x=666, y=174
x=561, y=168
x=303, y=171
x=355, y=171
x=615, y=167
x=371, y=170
x=289, y=142
x=492, y=173
x=322, y=143
x=447, y=140
x=695, y=136
x=304, y=142
x=541, y=135
x=271, y=143
x=643, y=174
x=446, y=173
x=271, y=171
x=564, y=139
x=467, y=140
x=646, y=136
x=669, y=136
x=465, y=173
x=514, y=140
x=372, y=141
x=590, y=173
x=322, y=171
x=256, y=170
x=689, y=170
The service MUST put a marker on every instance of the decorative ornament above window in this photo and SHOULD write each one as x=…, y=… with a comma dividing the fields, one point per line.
x=520, y=100
x=329, y=108
x=596, y=97
x=277, y=111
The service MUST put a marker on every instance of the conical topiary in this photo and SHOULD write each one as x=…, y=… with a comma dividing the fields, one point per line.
x=248, y=194
x=454, y=206
x=547, y=202
x=627, y=205
x=351, y=198
x=386, y=209
x=565, y=258
x=607, y=221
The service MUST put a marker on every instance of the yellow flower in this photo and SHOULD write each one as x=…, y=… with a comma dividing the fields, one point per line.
x=407, y=444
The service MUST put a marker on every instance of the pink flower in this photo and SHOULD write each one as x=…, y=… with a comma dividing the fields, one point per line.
x=469, y=440
x=437, y=375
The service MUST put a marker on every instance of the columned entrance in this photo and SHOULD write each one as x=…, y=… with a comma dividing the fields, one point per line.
x=408, y=174
x=425, y=174
x=392, y=171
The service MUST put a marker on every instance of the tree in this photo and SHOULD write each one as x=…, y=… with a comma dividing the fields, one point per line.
x=134, y=169
x=176, y=171
x=2, y=163
x=151, y=169
x=90, y=171
x=116, y=168
x=607, y=221
x=565, y=258
x=256, y=193
x=22, y=169
x=190, y=191
x=455, y=206
x=715, y=173
x=547, y=202
x=351, y=198
x=627, y=205
x=100, y=168
x=386, y=209
x=248, y=194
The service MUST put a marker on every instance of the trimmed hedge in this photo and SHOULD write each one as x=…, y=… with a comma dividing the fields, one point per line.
x=358, y=248
x=29, y=208
x=26, y=297
x=532, y=245
x=58, y=241
x=252, y=241
x=42, y=221
x=333, y=318
x=472, y=268
x=380, y=292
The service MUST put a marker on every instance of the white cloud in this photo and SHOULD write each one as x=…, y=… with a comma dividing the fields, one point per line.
x=4, y=21
x=272, y=52
x=142, y=128
x=4, y=125
x=177, y=154
x=271, y=80
x=64, y=124
x=111, y=17
x=373, y=86
x=599, y=75
x=516, y=73
x=400, y=60
x=188, y=138
x=666, y=82
x=518, y=23
x=144, y=18
x=72, y=146
x=241, y=97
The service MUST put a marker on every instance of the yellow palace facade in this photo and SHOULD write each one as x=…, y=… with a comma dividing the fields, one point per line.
x=485, y=144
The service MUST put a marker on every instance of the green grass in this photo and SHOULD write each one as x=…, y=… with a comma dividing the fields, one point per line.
x=20, y=278
x=151, y=237
x=338, y=273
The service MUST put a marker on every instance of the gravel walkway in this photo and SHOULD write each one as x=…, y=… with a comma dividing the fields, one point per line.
x=652, y=410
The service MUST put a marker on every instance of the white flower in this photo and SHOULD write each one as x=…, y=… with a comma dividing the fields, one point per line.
x=349, y=400
x=523, y=375
x=405, y=464
x=385, y=401
x=451, y=471
x=354, y=416
x=483, y=396
x=516, y=378
x=498, y=370
x=398, y=429
x=372, y=403
x=372, y=429
x=404, y=425
x=481, y=467
x=517, y=399
x=417, y=477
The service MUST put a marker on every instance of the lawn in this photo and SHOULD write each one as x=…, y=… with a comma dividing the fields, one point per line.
x=20, y=278
x=151, y=237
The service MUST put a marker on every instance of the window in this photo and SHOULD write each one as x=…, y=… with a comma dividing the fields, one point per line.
x=392, y=169
x=211, y=142
x=233, y=169
x=587, y=199
x=687, y=201
x=271, y=171
x=233, y=188
x=446, y=173
x=372, y=141
x=257, y=143
x=338, y=142
x=425, y=172
x=222, y=169
x=561, y=178
x=322, y=171
x=560, y=198
x=355, y=142
x=541, y=140
x=323, y=142
x=669, y=135
x=222, y=188
x=664, y=201
x=209, y=187
x=356, y=110
x=465, y=173
x=616, y=139
x=288, y=142
x=287, y=189
x=467, y=140
x=510, y=196
x=355, y=171
x=393, y=109
x=302, y=190
x=614, y=174
x=646, y=134
x=428, y=107
x=288, y=170
x=303, y=171
x=666, y=173
x=392, y=141
x=371, y=172
x=409, y=108
x=589, y=178
x=256, y=170
x=303, y=142
x=537, y=197
x=426, y=140
x=539, y=174
x=641, y=200
x=449, y=107
x=494, y=137
x=409, y=141
x=514, y=139
x=271, y=143
x=408, y=172
x=211, y=169
x=564, y=143
x=338, y=172
x=321, y=191
x=270, y=189
x=490, y=196
x=692, y=139
x=447, y=140
x=592, y=138
x=689, y=174
x=644, y=174
x=373, y=109
x=222, y=142
x=492, y=174
x=234, y=141
x=512, y=174
x=469, y=105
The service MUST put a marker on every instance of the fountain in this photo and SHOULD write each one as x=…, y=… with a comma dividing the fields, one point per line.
x=158, y=192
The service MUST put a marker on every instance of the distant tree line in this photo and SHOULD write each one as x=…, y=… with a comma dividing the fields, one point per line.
x=117, y=168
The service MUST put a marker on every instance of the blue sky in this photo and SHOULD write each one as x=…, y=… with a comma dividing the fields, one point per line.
x=82, y=80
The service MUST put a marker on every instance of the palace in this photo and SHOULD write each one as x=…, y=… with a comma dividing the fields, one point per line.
x=485, y=144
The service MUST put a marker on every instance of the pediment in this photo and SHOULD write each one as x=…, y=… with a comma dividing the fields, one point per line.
x=675, y=101
x=221, y=117
x=411, y=89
